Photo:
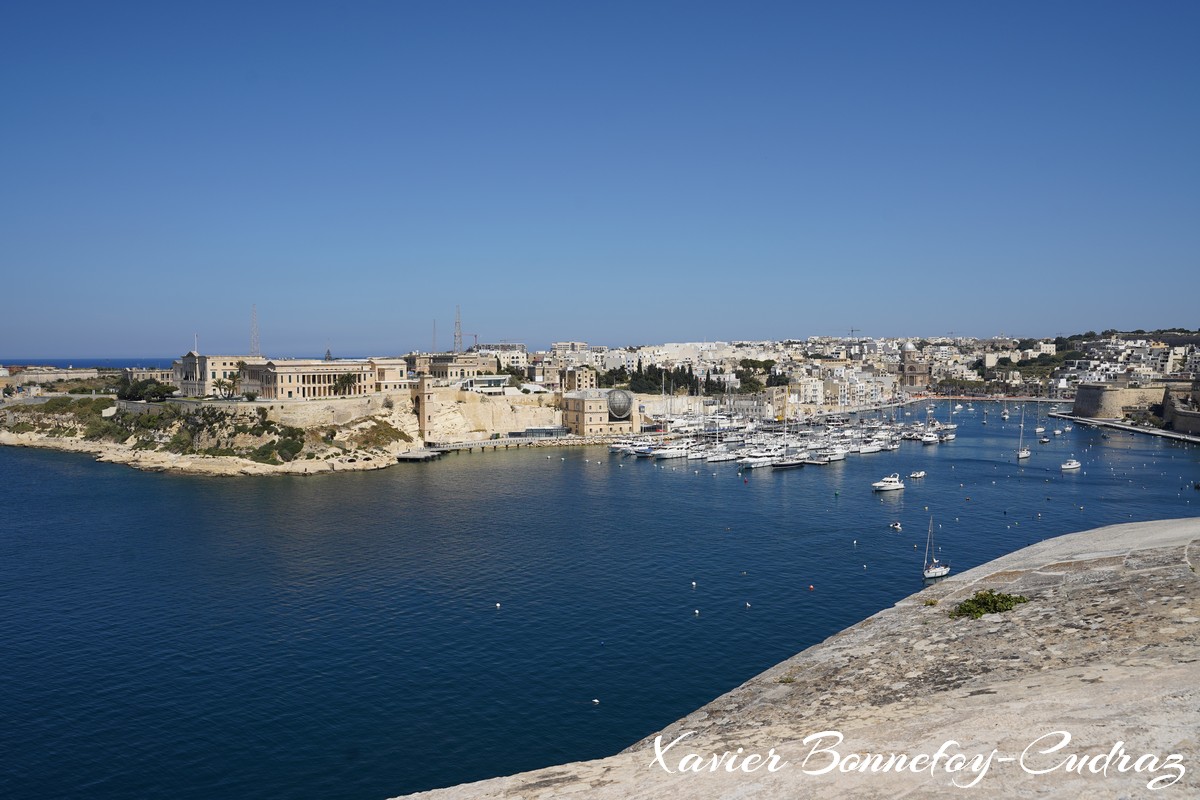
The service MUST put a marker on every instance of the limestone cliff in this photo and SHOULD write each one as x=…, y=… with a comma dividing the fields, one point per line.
x=262, y=438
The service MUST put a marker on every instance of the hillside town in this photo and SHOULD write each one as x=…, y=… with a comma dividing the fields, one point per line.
x=821, y=372
x=792, y=378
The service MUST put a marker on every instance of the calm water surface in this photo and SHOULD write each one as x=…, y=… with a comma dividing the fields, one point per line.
x=338, y=637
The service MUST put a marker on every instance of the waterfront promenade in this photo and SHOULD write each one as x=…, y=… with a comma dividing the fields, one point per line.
x=1104, y=652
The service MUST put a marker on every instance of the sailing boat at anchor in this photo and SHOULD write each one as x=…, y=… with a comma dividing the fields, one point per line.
x=933, y=568
x=1022, y=450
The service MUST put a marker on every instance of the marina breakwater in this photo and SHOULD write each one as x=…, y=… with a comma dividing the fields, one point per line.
x=1090, y=688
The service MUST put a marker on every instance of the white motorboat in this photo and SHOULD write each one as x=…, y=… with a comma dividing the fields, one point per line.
x=1070, y=464
x=918, y=474
x=889, y=484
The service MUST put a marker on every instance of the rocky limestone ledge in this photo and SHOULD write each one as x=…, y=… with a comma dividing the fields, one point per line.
x=1106, y=650
x=160, y=461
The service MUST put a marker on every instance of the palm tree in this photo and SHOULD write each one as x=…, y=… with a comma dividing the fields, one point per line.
x=344, y=383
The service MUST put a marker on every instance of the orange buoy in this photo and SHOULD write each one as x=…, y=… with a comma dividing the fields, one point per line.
x=810, y=587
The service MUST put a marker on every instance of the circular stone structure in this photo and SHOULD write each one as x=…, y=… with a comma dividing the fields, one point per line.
x=620, y=403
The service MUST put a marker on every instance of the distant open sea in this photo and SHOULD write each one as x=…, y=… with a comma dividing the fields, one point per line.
x=146, y=362
x=339, y=636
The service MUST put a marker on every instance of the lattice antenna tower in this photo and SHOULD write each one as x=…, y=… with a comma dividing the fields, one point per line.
x=255, y=349
x=457, y=330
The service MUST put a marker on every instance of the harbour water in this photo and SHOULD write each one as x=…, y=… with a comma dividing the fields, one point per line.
x=365, y=635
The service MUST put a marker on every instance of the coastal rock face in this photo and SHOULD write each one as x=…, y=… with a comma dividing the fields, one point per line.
x=1089, y=689
x=337, y=435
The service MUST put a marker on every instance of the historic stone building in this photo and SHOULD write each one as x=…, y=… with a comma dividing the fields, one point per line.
x=196, y=374
x=600, y=411
x=445, y=366
x=914, y=370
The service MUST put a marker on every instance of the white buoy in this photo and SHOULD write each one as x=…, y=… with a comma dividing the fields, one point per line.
x=697, y=612
x=693, y=584
x=497, y=605
x=595, y=702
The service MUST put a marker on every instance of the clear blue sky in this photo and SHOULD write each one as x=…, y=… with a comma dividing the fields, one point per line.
x=620, y=173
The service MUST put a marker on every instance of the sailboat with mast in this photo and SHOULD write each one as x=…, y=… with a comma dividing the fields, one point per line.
x=933, y=567
x=1022, y=450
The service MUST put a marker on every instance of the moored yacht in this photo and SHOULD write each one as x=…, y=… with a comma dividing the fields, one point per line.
x=889, y=484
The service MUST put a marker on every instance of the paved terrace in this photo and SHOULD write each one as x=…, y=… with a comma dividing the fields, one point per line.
x=1106, y=649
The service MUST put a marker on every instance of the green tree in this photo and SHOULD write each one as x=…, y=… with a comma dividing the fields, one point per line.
x=343, y=383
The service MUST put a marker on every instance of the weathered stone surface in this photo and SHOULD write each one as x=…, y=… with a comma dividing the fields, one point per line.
x=1107, y=650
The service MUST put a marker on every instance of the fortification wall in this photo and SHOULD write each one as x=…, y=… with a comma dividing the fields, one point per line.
x=457, y=415
x=1101, y=401
x=1181, y=410
x=466, y=416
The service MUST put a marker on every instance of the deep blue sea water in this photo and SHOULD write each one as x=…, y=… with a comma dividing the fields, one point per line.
x=338, y=636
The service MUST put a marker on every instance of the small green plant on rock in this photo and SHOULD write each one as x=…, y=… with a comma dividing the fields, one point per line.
x=987, y=601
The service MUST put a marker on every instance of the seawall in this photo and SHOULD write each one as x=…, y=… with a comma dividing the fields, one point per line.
x=1103, y=661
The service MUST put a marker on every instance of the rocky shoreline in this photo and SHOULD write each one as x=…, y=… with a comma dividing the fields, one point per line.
x=193, y=464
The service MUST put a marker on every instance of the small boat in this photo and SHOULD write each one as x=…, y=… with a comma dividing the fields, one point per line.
x=1022, y=450
x=1044, y=440
x=889, y=484
x=933, y=567
x=1070, y=464
x=1058, y=431
x=918, y=474
x=895, y=526
x=1068, y=428
x=791, y=462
